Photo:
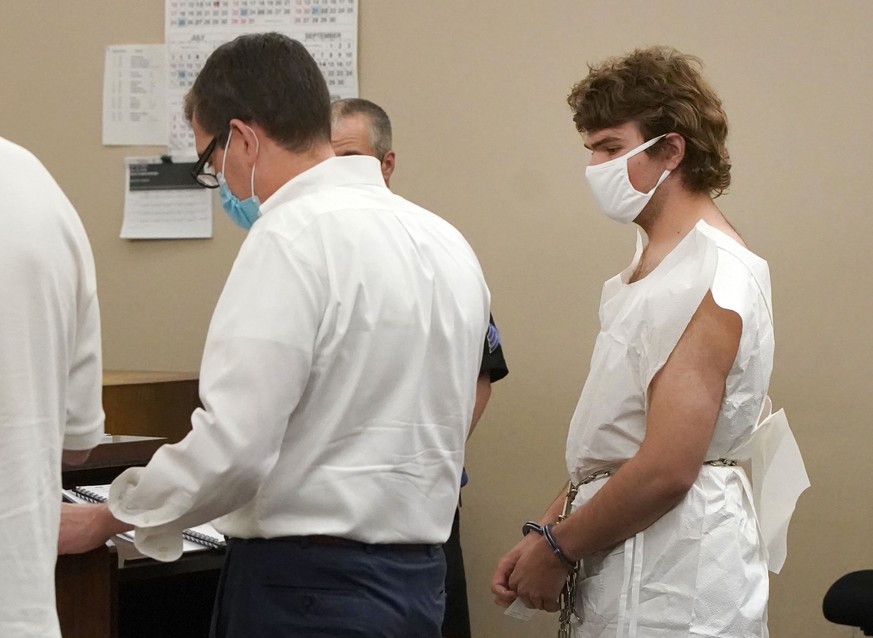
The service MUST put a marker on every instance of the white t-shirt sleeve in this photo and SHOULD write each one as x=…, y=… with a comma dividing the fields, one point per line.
x=84, y=415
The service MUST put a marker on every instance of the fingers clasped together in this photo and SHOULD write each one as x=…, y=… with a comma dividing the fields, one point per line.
x=529, y=572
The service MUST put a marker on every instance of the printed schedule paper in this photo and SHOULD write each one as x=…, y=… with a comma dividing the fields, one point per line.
x=134, y=95
x=162, y=201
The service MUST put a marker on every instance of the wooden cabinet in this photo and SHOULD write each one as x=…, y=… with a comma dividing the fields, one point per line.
x=112, y=456
x=150, y=403
x=87, y=593
x=114, y=592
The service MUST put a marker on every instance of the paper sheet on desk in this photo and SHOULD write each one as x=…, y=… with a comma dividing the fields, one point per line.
x=162, y=201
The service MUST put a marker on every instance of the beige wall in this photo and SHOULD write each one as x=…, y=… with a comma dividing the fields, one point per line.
x=476, y=92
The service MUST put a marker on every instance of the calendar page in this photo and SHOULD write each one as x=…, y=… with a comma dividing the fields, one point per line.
x=194, y=28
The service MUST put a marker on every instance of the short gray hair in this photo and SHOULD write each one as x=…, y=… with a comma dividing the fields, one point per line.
x=379, y=124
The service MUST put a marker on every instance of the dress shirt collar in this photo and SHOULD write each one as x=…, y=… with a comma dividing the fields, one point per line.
x=331, y=173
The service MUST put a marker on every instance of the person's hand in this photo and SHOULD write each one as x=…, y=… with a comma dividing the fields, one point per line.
x=503, y=593
x=86, y=527
x=538, y=575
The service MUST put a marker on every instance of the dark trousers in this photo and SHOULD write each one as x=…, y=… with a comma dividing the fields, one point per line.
x=456, y=623
x=284, y=588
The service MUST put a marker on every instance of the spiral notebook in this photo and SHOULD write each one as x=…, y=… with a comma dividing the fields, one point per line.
x=204, y=536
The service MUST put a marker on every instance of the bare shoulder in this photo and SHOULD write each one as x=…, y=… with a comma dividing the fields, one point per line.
x=713, y=334
x=731, y=232
x=720, y=223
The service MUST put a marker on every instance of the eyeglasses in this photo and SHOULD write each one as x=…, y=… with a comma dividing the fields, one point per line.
x=203, y=175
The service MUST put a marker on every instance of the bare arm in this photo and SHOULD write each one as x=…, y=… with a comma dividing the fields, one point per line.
x=684, y=399
x=74, y=457
x=483, y=393
x=86, y=527
x=503, y=594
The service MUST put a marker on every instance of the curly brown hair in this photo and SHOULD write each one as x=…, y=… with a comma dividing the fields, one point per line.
x=662, y=90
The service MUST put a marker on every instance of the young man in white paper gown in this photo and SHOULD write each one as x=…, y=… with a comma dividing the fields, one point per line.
x=672, y=537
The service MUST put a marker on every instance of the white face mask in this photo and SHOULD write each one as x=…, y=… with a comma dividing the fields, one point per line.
x=612, y=187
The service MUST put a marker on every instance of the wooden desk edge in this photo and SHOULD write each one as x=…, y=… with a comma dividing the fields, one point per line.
x=133, y=377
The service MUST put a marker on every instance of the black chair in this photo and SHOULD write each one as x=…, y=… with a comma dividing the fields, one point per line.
x=849, y=601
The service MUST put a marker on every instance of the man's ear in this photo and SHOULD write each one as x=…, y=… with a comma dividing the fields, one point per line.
x=249, y=139
x=388, y=162
x=673, y=149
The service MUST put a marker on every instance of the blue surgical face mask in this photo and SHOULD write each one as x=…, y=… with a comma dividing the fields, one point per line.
x=246, y=212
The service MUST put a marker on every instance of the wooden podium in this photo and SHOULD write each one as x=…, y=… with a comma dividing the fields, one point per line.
x=150, y=403
x=109, y=459
x=86, y=589
x=113, y=591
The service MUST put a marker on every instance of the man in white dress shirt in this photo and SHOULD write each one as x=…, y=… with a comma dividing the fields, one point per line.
x=338, y=376
x=50, y=381
x=362, y=127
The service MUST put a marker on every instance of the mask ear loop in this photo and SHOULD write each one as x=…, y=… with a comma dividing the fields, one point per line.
x=226, y=147
x=257, y=151
x=639, y=149
x=664, y=176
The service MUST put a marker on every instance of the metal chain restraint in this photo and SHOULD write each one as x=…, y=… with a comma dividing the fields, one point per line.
x=567, y=598
x=568, y=593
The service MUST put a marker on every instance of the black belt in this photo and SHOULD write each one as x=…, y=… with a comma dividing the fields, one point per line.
x=336, y=541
